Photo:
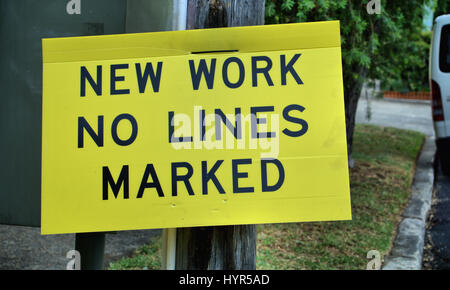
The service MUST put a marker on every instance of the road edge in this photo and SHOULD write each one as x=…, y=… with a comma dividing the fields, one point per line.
x=407, y=250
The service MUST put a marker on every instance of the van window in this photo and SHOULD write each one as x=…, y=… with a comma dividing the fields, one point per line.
x=444, y=50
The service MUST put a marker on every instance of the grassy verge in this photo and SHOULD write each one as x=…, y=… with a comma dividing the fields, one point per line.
x=146, y=257
x=380, y=186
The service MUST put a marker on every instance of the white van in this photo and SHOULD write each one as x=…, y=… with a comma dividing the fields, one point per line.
x=439, y=75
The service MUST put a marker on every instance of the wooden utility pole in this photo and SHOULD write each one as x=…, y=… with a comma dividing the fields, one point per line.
x=224, y=247
x=223, y=13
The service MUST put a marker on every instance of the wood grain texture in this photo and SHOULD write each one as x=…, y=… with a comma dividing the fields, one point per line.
x=216, y=248
x=223, y=13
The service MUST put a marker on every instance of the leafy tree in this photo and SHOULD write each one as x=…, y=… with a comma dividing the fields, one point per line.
x=441, y=7
x=373, y=45
x=402, y=65
x=410, y=71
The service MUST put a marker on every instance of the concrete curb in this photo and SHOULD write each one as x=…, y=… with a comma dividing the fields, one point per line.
x=407, y=251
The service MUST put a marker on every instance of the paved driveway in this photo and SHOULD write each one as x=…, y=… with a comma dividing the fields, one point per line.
x=25, y=248
x=399, y=114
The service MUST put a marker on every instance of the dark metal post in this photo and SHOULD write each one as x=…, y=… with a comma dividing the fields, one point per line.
x=91, y=247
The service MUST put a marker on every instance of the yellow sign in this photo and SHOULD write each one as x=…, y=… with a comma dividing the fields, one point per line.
x=192, y=128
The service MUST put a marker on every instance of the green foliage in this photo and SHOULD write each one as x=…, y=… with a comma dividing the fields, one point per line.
x=441, y=7
x=389, y=46
x=410, y=71
x=146, y=257
x=354, y=22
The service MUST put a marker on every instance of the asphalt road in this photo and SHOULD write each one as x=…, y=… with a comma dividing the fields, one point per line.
x=24, y=248
x=437, y=245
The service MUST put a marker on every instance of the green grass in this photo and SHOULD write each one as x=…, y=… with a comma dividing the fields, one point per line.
x=380, y=187
x=146, y=257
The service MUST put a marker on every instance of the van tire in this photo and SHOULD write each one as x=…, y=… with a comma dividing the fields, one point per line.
x=443, y=155
x=445, y=167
